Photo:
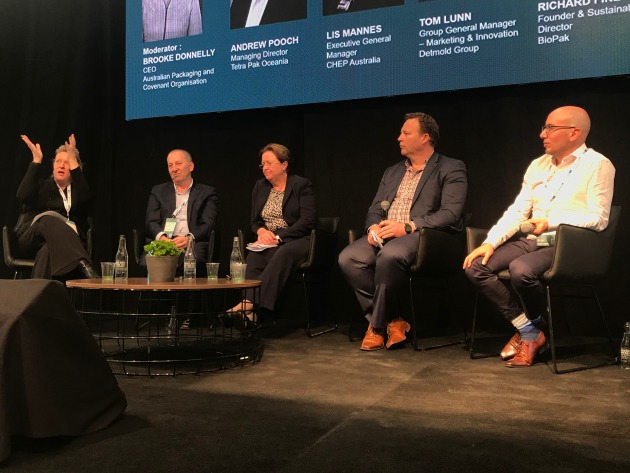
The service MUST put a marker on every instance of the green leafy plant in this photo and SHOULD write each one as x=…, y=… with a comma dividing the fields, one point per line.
x=162, y=248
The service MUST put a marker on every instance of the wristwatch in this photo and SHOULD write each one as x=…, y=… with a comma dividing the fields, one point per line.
x=408, y=229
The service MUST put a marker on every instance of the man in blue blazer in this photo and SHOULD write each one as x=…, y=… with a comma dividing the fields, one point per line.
x=182, y=207
x=426, y=189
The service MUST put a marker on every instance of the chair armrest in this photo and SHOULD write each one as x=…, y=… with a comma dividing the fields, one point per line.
x=89, y=242
x=353, y=235
x=440, y=253
x=475, y=237
x=9, y=247
x=581, y=255
x=6, y=247
x=138, y=245
x=323, y=246
x=211, y=240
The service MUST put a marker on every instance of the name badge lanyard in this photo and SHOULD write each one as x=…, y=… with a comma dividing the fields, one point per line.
x=176, y=211
x=565, y=180
x=67, y=201
x=171, y=222
x=549, y=239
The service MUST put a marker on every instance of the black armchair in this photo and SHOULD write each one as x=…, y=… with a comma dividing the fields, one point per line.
x=581, y=258
x=18, y=264
x=321, y=257
x=439, y=257
x=316, y=269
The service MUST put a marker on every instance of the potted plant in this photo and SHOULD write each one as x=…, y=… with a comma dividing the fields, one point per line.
x=162, y=259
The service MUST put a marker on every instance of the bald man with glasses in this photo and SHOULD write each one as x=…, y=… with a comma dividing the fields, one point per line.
x=570, y=184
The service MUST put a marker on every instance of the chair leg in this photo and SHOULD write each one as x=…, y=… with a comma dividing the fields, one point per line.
x=613, y=359
x=613, y=351
x=552, y=338
x=307, y=327
x=350, y=331
x=412, y=322
x=474, y=327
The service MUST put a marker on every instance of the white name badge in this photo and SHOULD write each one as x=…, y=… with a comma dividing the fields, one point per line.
x=169, y=226
x=546, y=239
x=72, y=225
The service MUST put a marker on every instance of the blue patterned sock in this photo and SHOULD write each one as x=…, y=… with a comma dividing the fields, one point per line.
x=528, y=330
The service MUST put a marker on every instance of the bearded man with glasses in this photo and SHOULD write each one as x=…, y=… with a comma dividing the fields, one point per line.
x=570, y=184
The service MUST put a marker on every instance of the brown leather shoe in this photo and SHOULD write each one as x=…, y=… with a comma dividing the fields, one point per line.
x=511, y=349
x=527, y=352
x=396, y=333
x=372, y=340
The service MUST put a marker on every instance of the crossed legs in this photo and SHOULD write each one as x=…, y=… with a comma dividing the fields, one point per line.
x=527, y=263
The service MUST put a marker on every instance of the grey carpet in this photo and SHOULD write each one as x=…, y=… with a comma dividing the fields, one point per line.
x=322, y=405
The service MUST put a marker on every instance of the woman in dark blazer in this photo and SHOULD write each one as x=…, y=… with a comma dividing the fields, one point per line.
x=54, y=220
x=283, y=214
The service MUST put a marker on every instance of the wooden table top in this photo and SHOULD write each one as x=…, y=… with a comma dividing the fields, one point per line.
x=180, y=284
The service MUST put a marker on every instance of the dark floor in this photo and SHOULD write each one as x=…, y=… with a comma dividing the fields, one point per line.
x=322, y=405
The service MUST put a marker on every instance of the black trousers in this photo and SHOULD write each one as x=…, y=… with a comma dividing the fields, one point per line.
x=527, y=263
x=56, y=247
x=274, y=266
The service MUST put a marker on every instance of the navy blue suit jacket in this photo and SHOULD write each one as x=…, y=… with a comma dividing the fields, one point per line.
x=439, y=198
x=202, y=213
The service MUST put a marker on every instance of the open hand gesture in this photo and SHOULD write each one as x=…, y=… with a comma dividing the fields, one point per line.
x=71, y=148
x=36, y=149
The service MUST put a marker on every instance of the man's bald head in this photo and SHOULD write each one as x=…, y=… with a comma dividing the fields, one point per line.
x=565, y=131
x=573, y=116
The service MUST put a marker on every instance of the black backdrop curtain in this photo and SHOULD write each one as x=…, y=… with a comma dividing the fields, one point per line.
x=63, y=72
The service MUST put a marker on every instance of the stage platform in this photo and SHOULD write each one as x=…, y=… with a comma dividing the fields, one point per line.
x=321, y=405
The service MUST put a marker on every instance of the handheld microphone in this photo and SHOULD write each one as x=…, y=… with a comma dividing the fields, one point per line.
x=526, y=228
x=384, y=209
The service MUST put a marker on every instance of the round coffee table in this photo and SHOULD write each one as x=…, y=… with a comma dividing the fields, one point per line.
x=171, y=328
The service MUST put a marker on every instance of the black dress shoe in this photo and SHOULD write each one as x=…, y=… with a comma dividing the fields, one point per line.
x=241, y=322
x=87, y=269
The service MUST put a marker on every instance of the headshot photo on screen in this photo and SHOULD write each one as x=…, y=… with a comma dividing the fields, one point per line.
x=246, y=13
x=334, y=7
x=167, y=19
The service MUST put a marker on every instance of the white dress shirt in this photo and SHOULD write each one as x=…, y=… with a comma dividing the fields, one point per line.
x=256, y=10
x=578, y=192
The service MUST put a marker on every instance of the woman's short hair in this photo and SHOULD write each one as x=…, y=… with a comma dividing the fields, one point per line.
x=282, y=152
x=64, y=149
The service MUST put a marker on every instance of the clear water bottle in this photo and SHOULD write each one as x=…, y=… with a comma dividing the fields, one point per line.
x=190, y=262
x=122, y=260
x=236, y=256
x=625, y=347
x=171, y=325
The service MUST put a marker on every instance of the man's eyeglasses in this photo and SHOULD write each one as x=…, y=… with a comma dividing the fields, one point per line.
x=266, y=165
x=551, y=128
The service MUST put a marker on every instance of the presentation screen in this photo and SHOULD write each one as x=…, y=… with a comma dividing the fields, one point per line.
x=197, y=56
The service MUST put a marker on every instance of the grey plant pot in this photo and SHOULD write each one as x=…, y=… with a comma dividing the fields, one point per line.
x=162, y=268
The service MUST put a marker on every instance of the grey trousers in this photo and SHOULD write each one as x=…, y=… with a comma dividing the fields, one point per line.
x=377, y=275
